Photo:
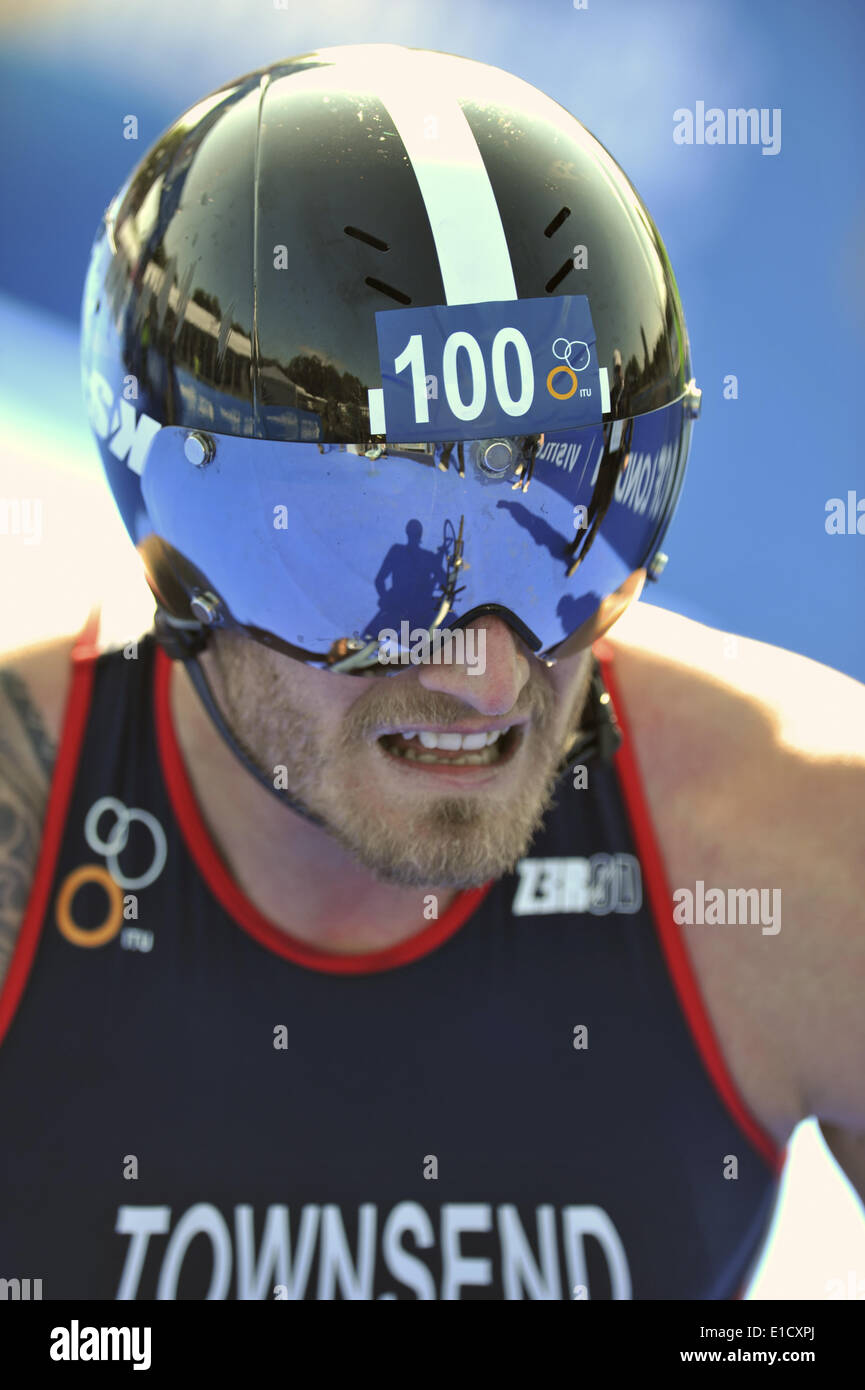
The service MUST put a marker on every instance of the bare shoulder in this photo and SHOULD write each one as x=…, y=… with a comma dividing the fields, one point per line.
x=753, y=763
x=43, y=671
x=34, y=683
x=697, y=677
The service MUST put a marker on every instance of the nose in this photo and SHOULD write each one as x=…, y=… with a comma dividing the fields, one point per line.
x=500, y=670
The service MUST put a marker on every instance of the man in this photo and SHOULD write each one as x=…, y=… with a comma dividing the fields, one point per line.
x=495, y=980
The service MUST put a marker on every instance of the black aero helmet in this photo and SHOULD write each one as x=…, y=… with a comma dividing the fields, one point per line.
x=377, y=339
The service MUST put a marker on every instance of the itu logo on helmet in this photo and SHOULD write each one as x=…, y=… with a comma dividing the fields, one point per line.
x=574, y=356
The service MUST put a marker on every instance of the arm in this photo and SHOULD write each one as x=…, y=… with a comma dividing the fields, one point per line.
x=765, y=785
x=826, y=1033
x=849, y=1150
x=32, y=692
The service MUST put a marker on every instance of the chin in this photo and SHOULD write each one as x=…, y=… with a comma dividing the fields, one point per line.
x=457, y=842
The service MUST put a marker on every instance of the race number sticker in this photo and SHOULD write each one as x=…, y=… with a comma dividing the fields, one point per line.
x=477, y=371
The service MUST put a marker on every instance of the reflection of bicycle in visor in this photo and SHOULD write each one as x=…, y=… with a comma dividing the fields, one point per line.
x=254, y=470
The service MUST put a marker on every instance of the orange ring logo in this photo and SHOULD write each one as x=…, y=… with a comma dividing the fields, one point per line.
x=558, y=394
x=97, y=936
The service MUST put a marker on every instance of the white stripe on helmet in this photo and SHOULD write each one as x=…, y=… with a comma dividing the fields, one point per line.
x=463, y=214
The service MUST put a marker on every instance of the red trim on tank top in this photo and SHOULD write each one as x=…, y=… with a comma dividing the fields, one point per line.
x=678, y=962
x=77, y=709
x=229, y=893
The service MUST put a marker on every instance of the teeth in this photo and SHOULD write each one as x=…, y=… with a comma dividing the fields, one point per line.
x=470, y=741
x=485, y=755
x=450, y=741
x=454, y=742
x=476, y=749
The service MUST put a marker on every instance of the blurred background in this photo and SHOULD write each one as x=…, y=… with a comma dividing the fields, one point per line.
x=767, y=250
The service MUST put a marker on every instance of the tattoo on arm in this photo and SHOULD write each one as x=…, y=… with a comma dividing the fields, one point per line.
x=15, y=692
x=27, y=757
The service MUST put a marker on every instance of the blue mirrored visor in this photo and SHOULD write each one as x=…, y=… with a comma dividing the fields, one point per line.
x=327, y=550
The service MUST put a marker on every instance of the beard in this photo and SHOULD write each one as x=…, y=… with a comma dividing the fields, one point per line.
x=410, y=840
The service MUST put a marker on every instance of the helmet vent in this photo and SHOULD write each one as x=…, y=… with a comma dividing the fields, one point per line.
x=388, y=290
x=556, y=223
x=561, y=216
x=558, y=277
x=367, y=237
x=378, y=245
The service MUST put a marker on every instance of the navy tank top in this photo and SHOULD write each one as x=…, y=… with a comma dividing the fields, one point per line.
x=524, y=1100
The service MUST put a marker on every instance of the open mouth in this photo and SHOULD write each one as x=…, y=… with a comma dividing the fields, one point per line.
x=481, y=749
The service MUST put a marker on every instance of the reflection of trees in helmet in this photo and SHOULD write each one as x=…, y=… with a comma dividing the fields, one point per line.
x=308, y=382
x=167, y=321
x=207, y=301
x=643, y=389
x=637, y=387
x=321, y=378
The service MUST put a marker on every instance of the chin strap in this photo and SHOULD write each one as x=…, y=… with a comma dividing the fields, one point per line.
x=598, y=736
x=183, y=641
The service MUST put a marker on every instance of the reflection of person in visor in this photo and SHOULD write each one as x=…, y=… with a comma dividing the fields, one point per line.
x=410, y=982
x=405, y=570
